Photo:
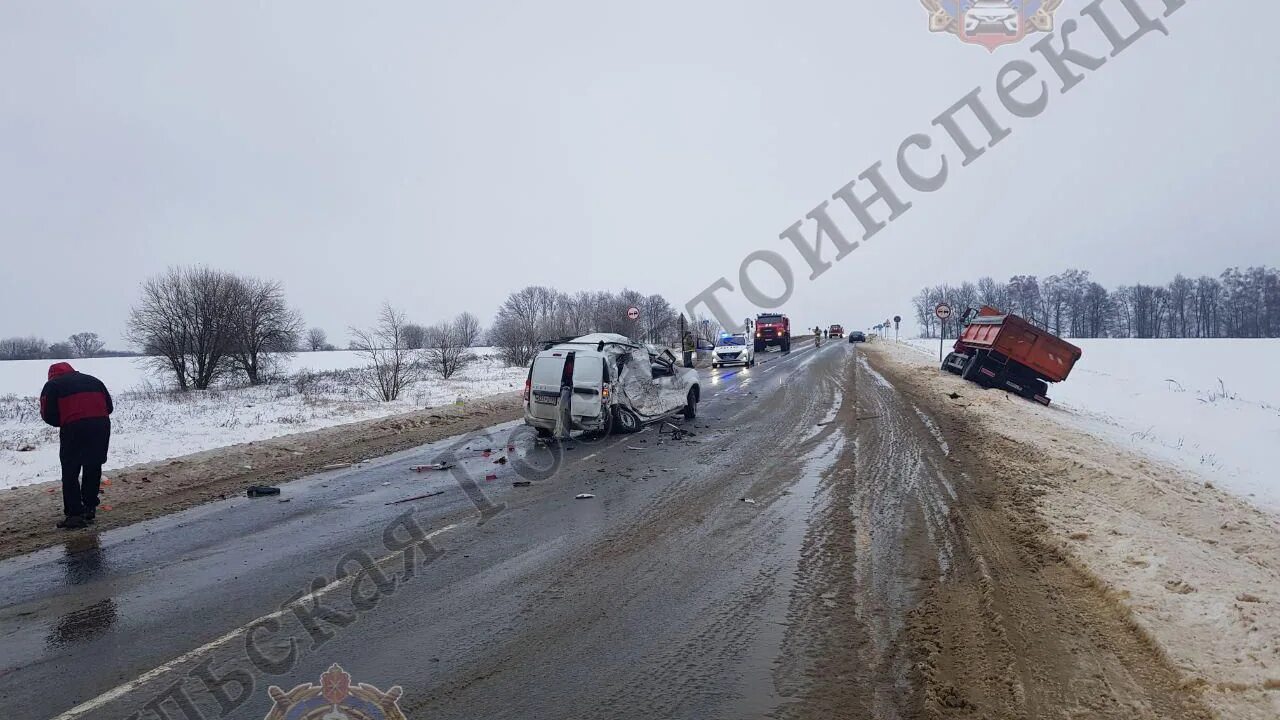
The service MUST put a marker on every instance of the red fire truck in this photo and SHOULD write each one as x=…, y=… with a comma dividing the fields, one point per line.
x=773, y=329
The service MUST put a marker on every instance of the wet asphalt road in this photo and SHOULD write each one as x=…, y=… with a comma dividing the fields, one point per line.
x=667, y=595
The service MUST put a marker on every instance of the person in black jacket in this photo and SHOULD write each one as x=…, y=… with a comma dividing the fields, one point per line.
x=80, y=406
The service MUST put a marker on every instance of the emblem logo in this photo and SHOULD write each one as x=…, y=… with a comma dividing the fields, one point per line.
x=991, y=23
x=335, y=699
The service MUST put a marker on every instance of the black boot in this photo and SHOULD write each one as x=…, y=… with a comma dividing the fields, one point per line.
x=73, y=522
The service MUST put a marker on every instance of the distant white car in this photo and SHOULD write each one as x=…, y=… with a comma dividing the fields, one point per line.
x=733, y=349
x=991, y=15
x=606, y=383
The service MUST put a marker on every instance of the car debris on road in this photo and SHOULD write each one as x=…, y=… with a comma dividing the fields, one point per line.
x=432, y=466
x=261, y=490
x=584, y=496
x=416, y=497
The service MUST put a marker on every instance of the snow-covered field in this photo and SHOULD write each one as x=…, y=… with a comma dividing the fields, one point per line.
x=25, y=377
x=1210, y=406
x=152, y=423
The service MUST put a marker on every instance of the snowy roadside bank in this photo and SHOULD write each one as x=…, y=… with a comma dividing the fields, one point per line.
x=1211, y=407
x=1197, y=568
x=153, y=424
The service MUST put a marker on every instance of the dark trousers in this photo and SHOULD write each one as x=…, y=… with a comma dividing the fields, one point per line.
x=83, y=449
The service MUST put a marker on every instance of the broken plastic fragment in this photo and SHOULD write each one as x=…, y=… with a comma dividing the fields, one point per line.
x=583, y=496
x=431, y=466
x=262, y=490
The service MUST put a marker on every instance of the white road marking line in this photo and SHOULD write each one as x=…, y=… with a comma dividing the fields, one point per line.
x=143, y=679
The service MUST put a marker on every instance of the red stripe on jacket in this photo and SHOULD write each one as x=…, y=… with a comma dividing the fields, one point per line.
x=82, y=406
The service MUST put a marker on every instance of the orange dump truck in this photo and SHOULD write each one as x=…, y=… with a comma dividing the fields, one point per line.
x=1004, y=351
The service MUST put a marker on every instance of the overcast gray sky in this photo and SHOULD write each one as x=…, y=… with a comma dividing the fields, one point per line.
x=439, y=155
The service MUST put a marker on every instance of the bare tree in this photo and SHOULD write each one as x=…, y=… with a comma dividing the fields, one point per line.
x=447, y=352
x=706, y=329
x=525, y=319
x=657, y=319
x=317, y=339
x=86, y=344
x=393, y=364
x=265, y=331
x=61, y=351
x=468, y=328
x=184, y=322
x=415, y=336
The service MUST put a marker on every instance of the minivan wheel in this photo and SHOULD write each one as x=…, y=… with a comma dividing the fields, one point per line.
x=544, y=432
x=691, y=406
x=625, y=422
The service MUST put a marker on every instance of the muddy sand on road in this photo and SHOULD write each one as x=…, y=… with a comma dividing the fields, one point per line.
x=1115, y=573
x=28, y=514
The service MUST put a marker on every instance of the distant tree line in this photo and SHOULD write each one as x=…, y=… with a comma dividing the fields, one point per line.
x=80, y=345
x=1236, y=304
x=535, y=314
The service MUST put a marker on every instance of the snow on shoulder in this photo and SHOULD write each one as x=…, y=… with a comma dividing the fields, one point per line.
x=1211, y=407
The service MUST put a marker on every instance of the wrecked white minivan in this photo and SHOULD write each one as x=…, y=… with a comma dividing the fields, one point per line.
x=605, y=383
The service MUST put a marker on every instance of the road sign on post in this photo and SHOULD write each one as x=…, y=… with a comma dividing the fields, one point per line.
x=633, y=313
x=943, y=311
x=897, y=320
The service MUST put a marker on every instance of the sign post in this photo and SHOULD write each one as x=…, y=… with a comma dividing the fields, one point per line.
x=943, y=311
x=897, y=320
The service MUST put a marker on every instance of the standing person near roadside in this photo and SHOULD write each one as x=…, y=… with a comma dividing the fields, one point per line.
x=80, y=407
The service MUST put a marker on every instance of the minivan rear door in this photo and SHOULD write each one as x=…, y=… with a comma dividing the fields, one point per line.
x=544, y=384
x=588, y=380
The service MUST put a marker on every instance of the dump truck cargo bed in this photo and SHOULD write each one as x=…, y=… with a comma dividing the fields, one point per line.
x=1009, y=337
x=1002, y=350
